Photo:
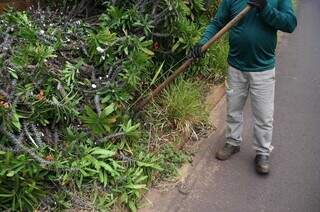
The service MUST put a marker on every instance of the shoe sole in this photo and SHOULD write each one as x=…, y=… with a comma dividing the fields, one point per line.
x=262, y=170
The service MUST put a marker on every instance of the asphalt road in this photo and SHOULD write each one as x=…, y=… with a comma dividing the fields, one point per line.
x=294, y=182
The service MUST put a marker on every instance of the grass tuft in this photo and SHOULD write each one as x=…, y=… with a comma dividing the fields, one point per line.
x=183, y=104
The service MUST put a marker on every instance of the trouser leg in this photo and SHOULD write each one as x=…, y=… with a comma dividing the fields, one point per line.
x=262, y=86
x=237, y=93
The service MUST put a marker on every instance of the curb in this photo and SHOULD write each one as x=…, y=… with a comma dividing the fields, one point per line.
x=158, y=200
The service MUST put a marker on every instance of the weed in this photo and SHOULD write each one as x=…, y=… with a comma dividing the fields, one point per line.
x=172, y=158
x=182, y=104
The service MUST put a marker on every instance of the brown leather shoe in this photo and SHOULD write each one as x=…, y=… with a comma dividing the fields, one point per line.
x=226, y=151
x=262, y=164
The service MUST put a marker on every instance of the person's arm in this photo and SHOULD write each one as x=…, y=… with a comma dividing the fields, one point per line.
x=281, y=18
x=221, y=18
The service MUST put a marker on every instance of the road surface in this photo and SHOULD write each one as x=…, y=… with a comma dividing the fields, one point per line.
x=294, y=182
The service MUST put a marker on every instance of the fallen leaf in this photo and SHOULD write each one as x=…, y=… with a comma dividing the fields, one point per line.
x=49, y=157
x=40, y=96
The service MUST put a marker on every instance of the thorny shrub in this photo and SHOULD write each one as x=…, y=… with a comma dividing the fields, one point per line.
x=68, y=85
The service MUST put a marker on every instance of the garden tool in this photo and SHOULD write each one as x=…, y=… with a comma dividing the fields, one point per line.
x=188, y=62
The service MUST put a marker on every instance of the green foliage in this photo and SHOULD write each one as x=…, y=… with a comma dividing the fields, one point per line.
x=172, y=158
x=66, y=92
x=213, y=65
x=99, y=124
x=182, y=103
x=22, y=182
x=97, y=164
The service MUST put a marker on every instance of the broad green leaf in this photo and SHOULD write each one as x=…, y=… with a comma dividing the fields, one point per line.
x=10, y=174
x=141, y=179
x=13, y=73
x=132, y=206
x=16, y=120
x=92, y=170
x=175, y=46
x=138, y=186
x=84, y=173
x=104, y=153
x=108, y=110
x=147, y=51
x=157, y=74
x=6, y=195
x=126, y=51
x=108, y=168
x=116, y=165
x=101, y=178
x=151, y=165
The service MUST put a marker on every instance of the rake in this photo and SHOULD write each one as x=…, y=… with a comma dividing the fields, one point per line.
x=188, y=62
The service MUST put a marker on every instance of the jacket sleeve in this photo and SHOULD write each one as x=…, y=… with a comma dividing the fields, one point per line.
x=218, y=22
x=281, y=18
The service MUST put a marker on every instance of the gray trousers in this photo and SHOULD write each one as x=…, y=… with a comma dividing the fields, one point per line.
x=260, y=86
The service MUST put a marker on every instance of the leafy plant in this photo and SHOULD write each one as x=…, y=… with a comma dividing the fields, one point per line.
x=172, y=158
x=99, y=124
x=68, y=85
x=22, y=182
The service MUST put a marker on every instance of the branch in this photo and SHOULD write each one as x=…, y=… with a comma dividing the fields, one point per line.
x=7, y=42
x=161, y=35
x=37, y=135
x=19, y=144
x=26, y=131
x=96, y=97
x=115, y=135
x=6, y=149
x=3, y=93
x=56, y=136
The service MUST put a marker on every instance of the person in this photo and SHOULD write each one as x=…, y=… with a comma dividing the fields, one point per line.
x=251, y=70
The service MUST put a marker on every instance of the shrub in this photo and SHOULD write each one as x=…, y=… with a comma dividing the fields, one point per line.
x=23, y=182
x=66, y=94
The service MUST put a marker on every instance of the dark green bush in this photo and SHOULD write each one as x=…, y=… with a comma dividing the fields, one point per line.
x=68, y=85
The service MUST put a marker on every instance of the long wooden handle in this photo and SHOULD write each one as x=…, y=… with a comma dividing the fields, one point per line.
x=188, y=62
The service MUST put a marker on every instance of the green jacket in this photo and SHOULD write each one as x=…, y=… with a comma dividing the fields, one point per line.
x=254, y=39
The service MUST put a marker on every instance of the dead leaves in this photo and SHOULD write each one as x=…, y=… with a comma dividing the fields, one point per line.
x=3, y=102
x=41, y=95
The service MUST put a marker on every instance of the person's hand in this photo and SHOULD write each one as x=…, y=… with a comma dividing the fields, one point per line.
x=196, y=52
x=259, y=4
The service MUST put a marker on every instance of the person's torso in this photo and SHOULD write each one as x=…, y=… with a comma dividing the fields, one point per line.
x=252, y=40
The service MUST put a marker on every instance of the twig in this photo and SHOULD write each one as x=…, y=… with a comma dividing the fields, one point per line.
x=127, y=159
x=37, y=135
x=6, y=149
x=155, y=6
x=26, y=131
x=96, y=96
x=48, y=136
x=161, y=35
x=18, y=142
x=56, y=136
x=12, y=87
x=61, y=89
x=115, y=135
x=3, y=93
